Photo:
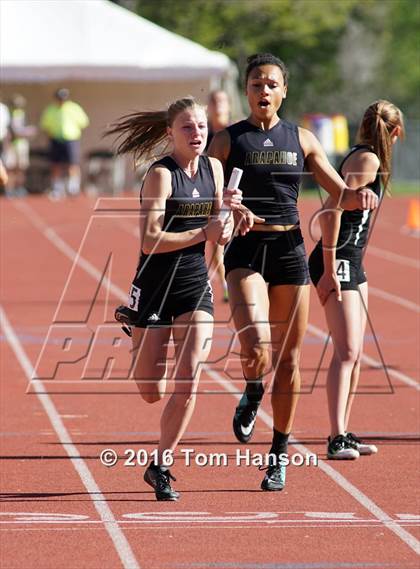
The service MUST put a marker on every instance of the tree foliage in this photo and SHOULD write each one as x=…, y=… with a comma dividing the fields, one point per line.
x=341, y=53
x=401, y=63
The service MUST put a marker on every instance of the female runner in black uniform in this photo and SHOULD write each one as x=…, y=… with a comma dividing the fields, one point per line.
x=336, y=265
x=270, y=250
x=171, y=292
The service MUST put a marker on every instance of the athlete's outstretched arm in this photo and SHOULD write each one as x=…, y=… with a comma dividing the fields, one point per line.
x=327, y=177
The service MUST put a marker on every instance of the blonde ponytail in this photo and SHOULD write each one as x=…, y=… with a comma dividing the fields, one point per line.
x=378, y=123
x=141, y=132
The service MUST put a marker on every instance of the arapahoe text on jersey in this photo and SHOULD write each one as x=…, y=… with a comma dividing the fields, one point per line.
x=271, y=157
x=192, y=209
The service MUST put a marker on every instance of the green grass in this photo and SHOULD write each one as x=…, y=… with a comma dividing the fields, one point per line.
x=402, y=188
x=397, y=188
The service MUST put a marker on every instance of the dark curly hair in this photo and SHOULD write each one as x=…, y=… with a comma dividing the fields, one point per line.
x=259, y=59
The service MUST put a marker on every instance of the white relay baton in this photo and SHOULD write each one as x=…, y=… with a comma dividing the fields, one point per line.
x=233, y=184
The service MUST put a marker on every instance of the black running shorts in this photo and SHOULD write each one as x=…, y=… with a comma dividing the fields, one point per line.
x=166, y=286
x=349, y=266
x=279, y=256
x=64, y=151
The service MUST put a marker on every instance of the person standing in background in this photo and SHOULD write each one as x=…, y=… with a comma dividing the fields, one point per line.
x=63, y=121
x=17, y=152
x=4, y=131
x=218, y=113
x=4, y=127
x=3, y=176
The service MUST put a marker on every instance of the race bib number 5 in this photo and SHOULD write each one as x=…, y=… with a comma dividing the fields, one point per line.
x=133, y=298
x=342, y=268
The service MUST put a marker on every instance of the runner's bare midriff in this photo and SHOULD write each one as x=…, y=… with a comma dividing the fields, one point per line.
x=267, y=227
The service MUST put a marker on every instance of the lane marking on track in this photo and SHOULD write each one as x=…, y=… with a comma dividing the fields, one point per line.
x=304, y=565
x=366, y=502
x=117, y=536
x=153, y=528
x=259, y=519
x=338, y=478
x=389, y=436
x=384, y=295
x=394, y=257
x=314, y=330
x=67, y=250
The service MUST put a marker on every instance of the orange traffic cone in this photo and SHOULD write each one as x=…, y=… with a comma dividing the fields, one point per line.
x=413, y=217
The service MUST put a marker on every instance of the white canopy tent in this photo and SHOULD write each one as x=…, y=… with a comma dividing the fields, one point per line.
x=112, y=60
x=95, y=40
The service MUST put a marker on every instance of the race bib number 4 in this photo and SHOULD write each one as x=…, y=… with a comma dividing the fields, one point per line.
x=342, y=268
x=133, y=298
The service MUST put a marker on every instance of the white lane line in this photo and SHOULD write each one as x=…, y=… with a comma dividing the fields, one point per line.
x=315, y=331
x=338, y=478
x=394, y=298
x=118, y=538
x=219, y=526
x=394, y=257
x=67, y=250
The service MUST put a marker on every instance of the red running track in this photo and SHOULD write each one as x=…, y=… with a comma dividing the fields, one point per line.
x=62, y=508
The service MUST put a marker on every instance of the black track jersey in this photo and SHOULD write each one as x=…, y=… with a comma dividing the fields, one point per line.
x=354, y=227
x=191, y=201
x=272, y=161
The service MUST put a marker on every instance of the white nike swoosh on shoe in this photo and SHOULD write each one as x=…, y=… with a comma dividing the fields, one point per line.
x=247, y=430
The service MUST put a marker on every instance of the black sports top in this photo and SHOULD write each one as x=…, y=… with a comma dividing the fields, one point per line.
x=191, y=201
x=354, y=227
x=272, y=161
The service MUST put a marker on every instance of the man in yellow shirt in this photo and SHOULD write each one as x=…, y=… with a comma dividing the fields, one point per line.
x=63, y=121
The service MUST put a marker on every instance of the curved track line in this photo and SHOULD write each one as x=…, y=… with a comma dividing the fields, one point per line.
x=315, y=331
x=390, y=256
x=338, y=478
x=66, y=249
x=117, y=536
x=394, y=298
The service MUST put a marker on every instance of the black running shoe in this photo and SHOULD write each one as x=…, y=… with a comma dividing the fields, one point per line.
x=361, y=446
x=159, y=480
x=244, y=419
x=124, y=316
x=274, y=479
x=340, y=448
